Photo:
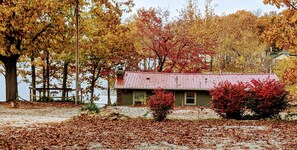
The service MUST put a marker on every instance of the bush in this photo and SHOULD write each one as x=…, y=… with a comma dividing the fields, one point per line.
x=229, y=99
x=45, y=99
x=161, y=103
x=268, y=97
x=90, y=107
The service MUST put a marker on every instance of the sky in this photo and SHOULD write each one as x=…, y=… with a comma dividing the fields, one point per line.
x=220, y=6
x=174, y=6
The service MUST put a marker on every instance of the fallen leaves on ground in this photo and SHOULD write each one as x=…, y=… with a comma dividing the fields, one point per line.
x=88, y=131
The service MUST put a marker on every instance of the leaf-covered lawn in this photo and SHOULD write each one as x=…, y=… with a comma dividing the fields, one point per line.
x=38, y=105
x=88, y=131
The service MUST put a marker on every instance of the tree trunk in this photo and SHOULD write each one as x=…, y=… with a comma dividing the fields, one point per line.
x=155, y=64
x=33, y=84
x=44, y=81
x=92, y=91
x=149, y=65
x=108, y=90
x=160, y=69
x=64, y=84
x=145, y=65
x=211, y=63
x=95, y=77
x=10, y=64
x=47, y=74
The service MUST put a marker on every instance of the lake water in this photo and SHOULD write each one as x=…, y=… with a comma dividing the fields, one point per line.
x=24, y=92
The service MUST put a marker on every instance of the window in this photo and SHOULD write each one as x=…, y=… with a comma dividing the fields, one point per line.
x=139, y=97
x=190, y=98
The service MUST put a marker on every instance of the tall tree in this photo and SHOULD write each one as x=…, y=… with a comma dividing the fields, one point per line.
x=21, y=23
x=201, y=27
x=240, y=48
x=283, y=31
x=103, y=48
x=173, y=49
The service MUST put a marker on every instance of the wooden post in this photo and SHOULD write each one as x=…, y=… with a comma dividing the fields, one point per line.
x=80, y=94
x=39, y=94
x=67, y=95
x=77, y=56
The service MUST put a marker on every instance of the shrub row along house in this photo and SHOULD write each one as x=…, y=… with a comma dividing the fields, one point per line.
x=189, y=89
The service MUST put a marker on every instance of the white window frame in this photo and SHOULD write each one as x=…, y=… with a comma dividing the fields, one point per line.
x=144, y=102
x=194, y=98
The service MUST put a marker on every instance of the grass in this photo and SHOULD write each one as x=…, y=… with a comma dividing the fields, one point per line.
x=90, y=107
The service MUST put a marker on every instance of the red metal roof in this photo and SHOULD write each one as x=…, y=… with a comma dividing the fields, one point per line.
x=182, y=81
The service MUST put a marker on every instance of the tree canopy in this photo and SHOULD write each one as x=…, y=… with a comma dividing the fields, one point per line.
x=41, y=34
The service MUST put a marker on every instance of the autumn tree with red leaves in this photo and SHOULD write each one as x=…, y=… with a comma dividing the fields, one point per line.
x=161, y=103
x=167, y=42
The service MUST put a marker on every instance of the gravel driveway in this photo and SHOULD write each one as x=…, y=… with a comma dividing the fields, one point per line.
x=26, y=117
x=186, y=113
x=179, y=113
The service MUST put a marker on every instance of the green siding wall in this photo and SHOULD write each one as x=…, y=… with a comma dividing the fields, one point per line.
x=202, y=97
x=127, y=97
x=179, y=98
x=149, y=93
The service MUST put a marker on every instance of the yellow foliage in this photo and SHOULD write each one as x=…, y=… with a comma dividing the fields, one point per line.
x=286, y=70
x=282, y=30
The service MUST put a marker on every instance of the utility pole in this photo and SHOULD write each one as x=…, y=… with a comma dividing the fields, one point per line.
x=76, y=57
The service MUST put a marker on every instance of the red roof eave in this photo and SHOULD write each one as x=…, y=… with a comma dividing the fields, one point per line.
x=182, y=81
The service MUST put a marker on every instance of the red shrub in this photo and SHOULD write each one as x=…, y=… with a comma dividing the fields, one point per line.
x=161, y=103
x=268, y=97
x=229, y=99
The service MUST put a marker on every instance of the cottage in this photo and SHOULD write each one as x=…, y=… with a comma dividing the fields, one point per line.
x=188, y=88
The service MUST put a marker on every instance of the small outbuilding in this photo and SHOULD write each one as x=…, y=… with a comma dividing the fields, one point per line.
x=189, y=88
